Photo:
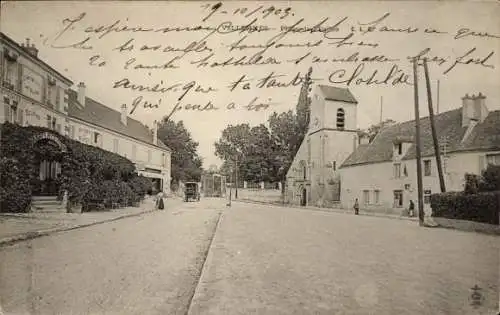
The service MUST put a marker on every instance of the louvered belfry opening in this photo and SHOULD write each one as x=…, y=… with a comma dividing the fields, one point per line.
x=340, y=118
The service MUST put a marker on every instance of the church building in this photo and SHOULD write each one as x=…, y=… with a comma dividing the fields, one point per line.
x=313, y=177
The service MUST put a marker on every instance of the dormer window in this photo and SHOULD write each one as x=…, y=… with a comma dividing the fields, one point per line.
x=340, y=118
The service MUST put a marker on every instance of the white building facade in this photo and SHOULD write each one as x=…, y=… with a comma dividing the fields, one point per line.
x=382, y=175
x=33, y=93
x=333, y=167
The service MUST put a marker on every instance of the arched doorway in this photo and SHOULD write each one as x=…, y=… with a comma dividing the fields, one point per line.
x=303, y=199
x=48, y=154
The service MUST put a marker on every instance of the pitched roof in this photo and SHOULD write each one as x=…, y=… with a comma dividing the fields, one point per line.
x=337, y=94
x=98, y=114
x=36, y=59
x=485, y=136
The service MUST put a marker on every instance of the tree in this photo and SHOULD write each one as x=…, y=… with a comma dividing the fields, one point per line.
x=285, y=131
x=259, y=164
x=303, y=107
x=186, y=163
x=490, y=179
x=233, y=142
x=373, y=130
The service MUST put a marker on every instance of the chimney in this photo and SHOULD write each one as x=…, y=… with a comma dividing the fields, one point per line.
x=155, y=132
x=31, y=49
x=81, y=93
x=123, y=117
x=473, y=109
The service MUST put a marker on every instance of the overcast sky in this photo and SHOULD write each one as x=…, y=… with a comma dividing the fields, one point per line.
x=42, y=22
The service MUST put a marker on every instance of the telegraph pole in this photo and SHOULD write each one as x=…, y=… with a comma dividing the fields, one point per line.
x=437, y=105
x=417, y=145
x=381, y=107
x=433, y=129
x=236, y=181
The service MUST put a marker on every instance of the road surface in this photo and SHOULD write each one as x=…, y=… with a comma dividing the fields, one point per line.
x=258, y=260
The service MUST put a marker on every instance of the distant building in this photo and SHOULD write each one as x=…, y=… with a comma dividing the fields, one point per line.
x=33, y=93
x=313, y=178
x=382, y=174
x=333, y=167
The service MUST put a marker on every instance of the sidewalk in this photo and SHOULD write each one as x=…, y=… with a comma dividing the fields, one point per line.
x=16, y=227
x=337, y=210
x=430, y=222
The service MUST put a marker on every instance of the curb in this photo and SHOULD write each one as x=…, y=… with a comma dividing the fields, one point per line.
x=8, y=241
x=327, y=210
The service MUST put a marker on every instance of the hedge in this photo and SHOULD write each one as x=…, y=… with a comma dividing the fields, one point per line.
x=87, y=172
x=482, y=207
x=15, y=192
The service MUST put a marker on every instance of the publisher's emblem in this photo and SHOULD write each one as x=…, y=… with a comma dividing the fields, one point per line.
x=476, y=297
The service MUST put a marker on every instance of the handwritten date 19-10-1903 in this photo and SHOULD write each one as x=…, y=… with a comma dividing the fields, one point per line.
x=259, y=11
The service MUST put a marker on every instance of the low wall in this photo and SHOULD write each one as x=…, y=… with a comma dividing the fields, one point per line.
x=262, y=195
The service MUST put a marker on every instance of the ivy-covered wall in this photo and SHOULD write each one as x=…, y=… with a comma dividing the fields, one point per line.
x=89, y=174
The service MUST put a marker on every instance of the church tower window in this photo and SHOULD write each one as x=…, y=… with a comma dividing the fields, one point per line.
x=340, y=118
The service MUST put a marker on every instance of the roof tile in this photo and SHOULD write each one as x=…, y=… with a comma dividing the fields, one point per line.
x=98, y=114
x=484, y=136
x=337, y=94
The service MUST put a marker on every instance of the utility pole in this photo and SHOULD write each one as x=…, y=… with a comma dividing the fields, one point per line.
x=433, y=129
x=230, y=189
x=417, y=145
x=236, y=181
x=381, y=107
x=437, y=105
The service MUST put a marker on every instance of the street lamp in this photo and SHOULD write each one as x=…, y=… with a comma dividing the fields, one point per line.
x=230, y=188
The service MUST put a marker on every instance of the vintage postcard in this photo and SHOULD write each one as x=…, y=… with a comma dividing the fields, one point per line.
x=250, y=157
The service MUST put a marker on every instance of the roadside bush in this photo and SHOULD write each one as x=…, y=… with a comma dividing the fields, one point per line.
x=481, y=207
x=140, y=186
x=490, y=179
x=15, y=193
x=88, y=173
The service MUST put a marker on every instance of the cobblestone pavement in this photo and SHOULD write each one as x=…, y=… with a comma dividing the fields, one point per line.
x=263, y=260
x=146, y=264
x=273, y=260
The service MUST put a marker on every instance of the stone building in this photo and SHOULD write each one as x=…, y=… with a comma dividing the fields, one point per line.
x=313, y=178
x=469, y=140
x=333, y=166
x=34, y=93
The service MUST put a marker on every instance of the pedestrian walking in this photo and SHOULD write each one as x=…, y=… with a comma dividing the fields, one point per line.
x=411, y=209
x=356, y=207
x=159, y=201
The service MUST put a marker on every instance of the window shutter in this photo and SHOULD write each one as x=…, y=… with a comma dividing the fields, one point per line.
x=20, y=117
x=7, y=112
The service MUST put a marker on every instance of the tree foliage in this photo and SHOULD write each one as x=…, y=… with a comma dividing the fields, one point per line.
x=84, y=169
x=186, y=163
x=265, y=152
x=374, y=129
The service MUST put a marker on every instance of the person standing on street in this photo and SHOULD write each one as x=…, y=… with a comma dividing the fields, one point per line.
x=411, y=209
x=356, y=207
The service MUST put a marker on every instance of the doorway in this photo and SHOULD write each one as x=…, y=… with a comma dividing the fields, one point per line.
x=398, y=199
x=303, y=200
x=48, y=153
x=50, y=172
